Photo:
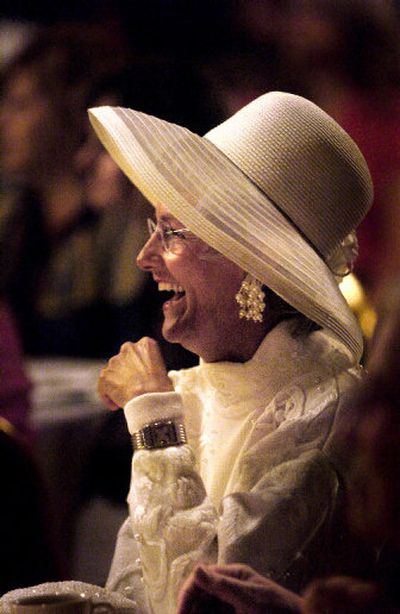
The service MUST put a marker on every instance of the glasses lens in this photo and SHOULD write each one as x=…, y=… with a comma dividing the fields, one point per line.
x=170, y=239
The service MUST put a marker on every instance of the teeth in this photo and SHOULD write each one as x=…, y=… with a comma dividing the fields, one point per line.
x=163, y=286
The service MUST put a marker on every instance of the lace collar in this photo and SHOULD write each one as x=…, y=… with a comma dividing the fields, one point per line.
x=279, y=360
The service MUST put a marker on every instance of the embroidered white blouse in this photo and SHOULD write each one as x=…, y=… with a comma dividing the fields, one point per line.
x=260, y=481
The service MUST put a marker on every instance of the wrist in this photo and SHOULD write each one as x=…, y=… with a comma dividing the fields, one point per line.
x=153, y=407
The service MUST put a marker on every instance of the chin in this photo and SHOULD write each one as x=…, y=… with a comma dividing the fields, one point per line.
x=173, y=335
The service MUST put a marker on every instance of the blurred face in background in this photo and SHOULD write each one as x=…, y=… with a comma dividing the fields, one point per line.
x=104, y=183
x=30, y=131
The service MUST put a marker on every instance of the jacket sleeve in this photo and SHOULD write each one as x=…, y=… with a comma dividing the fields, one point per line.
x=282, y=526
x=269, y=525
x=172, y=523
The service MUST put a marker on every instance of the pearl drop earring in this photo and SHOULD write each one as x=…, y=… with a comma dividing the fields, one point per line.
x=251, y=299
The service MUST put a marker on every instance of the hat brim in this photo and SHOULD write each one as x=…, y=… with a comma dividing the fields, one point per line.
x=210, y=195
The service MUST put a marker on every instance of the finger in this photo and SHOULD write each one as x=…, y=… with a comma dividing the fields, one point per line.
x=109, y=403
x=223, y=587
x=224, y=576
x=191, y=598
x=144, y=356
x=137, y=369
x=150, y=345
x=250, y=595
x=127, y=346
x=151, y=351
x=101, y=391
x=234, y=570
x=119, y=359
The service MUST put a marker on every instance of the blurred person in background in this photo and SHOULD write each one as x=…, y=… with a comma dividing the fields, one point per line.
x=133, y=304
x=46, y=224
x=27, y=555
x=15, y=404
x=373, y=435
x=254, y=61
x=50, y=279
x=347, y=56
x=153, y=85
x=15, y=387
x=124, y=300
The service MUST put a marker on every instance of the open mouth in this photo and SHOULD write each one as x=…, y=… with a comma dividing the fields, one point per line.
x=176, y=292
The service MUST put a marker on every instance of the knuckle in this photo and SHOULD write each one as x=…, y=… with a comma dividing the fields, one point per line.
x=151, y=346
x=125, y=347
x=102, y=378
x=147, y=341
x=113, y=362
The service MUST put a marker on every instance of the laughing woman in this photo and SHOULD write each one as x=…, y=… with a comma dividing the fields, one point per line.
x=236, y=460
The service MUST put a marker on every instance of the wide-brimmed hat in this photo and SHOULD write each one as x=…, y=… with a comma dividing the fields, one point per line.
x=275, y=188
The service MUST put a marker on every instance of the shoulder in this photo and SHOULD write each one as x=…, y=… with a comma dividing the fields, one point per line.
x=314, y=392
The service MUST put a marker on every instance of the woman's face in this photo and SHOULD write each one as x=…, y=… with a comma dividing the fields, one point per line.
x=202, y=314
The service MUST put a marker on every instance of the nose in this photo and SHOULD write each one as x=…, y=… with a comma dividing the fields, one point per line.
x=150, y=256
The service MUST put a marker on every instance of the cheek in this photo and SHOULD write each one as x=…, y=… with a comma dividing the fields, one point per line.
x=218, y=293
x=213, y=282
x=185, y=266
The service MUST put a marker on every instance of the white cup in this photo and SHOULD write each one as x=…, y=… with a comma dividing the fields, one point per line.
x=59, y=604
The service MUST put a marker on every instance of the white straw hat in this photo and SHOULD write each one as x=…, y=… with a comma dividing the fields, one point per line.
x=275, y=188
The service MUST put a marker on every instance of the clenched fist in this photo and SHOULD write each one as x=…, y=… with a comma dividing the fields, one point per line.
x=137, y=369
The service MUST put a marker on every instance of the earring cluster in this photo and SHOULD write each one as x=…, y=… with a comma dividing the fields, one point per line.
x=251, y=299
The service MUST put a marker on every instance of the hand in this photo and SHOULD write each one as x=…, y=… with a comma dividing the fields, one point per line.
x=235, y=589
x=137, y=369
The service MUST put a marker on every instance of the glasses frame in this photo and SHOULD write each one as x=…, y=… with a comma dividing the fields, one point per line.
x=163, y=234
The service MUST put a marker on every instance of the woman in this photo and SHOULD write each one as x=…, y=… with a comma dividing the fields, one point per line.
x=236, y=460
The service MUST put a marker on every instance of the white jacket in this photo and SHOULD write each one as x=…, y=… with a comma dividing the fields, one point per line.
x=261, y=480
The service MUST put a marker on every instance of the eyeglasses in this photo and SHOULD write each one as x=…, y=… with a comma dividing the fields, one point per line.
x=170, y=238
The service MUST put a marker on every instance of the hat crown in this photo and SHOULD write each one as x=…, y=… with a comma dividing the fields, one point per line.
x=303, y=161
